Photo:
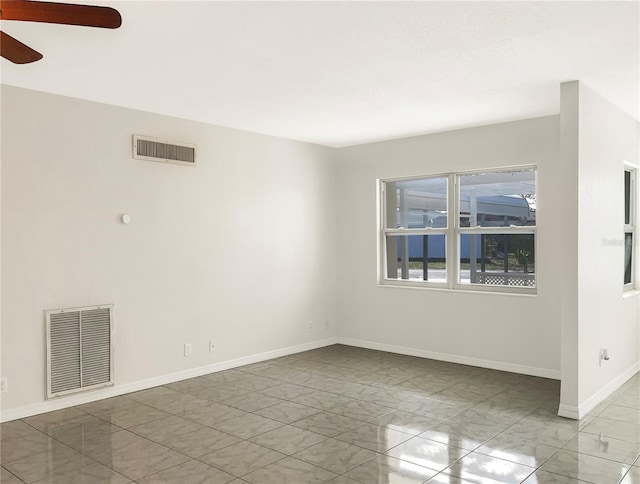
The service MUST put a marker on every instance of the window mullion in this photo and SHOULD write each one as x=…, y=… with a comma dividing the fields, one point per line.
x=524, y=229
x=426, y=231
x=451, y=256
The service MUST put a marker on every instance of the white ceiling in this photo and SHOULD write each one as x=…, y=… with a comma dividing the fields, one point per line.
x=340, y=73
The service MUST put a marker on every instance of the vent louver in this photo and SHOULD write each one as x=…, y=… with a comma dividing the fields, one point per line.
x=145, y=148
x=79, y=349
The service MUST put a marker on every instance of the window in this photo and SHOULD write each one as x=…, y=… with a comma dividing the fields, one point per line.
x=415, y=229
x=496, y=231
x=629, y=227
x=466, y=230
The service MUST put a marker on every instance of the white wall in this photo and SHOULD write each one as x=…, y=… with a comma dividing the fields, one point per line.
x=235, y=249
x=606, y=138
x=513, y=332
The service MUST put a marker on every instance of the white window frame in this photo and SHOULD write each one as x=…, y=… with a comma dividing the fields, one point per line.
x=630, y=227
x=452, y=233
x=384, y=232
x=511, y=230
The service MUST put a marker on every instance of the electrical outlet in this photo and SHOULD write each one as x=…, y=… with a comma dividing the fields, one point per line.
x=212, y=346
x=604, y=355
x=310, y=326
x=187, y=349
x=4, y=385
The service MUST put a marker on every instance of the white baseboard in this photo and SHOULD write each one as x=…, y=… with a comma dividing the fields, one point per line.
x=464, y=360
x=569, y=411
x=114, y=391
x=591, y=402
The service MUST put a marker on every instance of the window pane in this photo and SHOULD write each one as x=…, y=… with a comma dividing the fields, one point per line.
x=498, y=199
x=627, y=197
x=628, y=251
x=416, y=204
x=500, y=260
x=417, y=257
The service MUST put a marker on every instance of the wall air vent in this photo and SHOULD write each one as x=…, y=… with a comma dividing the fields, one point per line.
x=151, y=149
x=79, y=349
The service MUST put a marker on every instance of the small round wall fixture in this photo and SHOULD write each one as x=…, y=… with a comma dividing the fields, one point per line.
x=126, y=218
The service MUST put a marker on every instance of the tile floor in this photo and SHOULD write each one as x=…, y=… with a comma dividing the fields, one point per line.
x=337, y=414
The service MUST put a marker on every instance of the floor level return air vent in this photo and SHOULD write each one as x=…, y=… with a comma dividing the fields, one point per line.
x=79, y=349
x=151, y=149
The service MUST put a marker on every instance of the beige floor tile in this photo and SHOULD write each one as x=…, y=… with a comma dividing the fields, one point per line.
x=632, y=477
x=335, y=456
x=159, y=430
x=47, y=421
x=90, y=474
x=252, y=401
x=343, y=480
x=545, y=433
x=199, y=442
x=242, y=458
x=191, y=472
x=444, y=478
x=134, y=415
x=289, y=471
x=605, y=447
x=489, y=470
x=543, y=477
x=515, y=449
x=435, y=408
x=108, y=405
x=389, y=470
x=19, y=440
x=131, y=455
x=374, y=437
x=58, y=459
x=287, y=391
x=585, y=467
x=427, y=453
x=247, y=426
x=287, y=412
x=628, y=400
x=621, y=414
x=486, y=417
x=210, y=415
x=613, y=429
x=7, y=477
x=217, y=392
x=75, y=433
x=288, y=439
x=327, y=424
x=467, y=436
x=406, y=422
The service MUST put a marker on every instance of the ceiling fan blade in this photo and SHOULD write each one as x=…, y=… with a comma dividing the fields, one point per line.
x=60, y=13
x=15, y=51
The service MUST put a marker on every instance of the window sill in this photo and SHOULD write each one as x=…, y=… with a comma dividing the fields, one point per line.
x=445, y=288
x=629, y=293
